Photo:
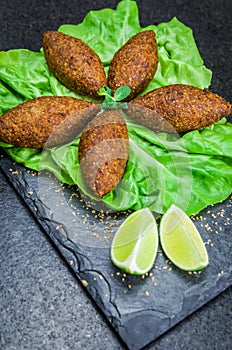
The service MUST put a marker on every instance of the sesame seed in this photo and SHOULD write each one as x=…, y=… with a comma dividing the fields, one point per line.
x=84, y=282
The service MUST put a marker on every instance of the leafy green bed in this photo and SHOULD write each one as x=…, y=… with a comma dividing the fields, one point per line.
x=193, y=171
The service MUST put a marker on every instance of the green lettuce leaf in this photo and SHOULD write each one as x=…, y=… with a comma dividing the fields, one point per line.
x=179, y=59
x=106, y=30
x=194, y=170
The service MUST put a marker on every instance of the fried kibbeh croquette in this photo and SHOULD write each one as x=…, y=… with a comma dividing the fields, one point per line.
x=74, y=63
x=103, y=152
x=178, y=108
x=135, y=63
x=46, y=121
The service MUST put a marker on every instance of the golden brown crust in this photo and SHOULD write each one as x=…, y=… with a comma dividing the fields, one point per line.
x=103, y=152
x=74, y=63
x=178, y=108
x=135, y=63
x=46, y=120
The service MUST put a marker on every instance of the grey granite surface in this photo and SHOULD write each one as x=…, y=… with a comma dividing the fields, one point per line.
x=42, y=306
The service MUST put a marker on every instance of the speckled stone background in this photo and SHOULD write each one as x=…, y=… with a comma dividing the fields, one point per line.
x=42, y=306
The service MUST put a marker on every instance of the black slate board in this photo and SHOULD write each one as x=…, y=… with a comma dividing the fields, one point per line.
x=140, y=309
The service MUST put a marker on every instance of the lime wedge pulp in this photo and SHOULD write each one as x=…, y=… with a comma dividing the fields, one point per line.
x=134, y=246
x=181, y=241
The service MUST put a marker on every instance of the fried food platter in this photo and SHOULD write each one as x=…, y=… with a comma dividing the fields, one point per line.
x=150, y=304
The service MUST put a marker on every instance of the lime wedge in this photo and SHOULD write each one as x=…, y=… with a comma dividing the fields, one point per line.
x=181, y=241
x=135, y=243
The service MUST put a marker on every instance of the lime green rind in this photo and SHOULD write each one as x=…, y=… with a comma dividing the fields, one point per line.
x=136, y=255
x=130, y=266
x=192, y=244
